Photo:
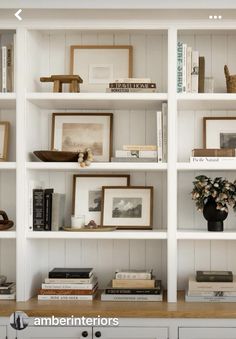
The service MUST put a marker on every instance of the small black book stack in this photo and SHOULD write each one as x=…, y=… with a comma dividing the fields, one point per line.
x=7, y=289
x=69, y=284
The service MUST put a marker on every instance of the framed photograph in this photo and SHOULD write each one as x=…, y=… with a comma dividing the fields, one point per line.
x=98, y=65
x=127, y=207
x=219, y=132
x=72, y=132
x=87, y=193
x=4, y=140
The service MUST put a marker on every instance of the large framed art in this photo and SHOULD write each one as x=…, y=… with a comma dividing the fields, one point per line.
x=98, y=65
x=73, y=132
x=219, y=132
x=87, y=193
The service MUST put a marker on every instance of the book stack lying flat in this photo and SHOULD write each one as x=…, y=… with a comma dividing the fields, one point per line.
x=133, y=285
x=211, y=286
x=7, y=289
x=69, y=284
x=136, y=153
x=132, y=85
x=209, y=155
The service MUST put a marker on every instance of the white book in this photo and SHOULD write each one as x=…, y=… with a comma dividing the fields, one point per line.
x=211, y=294
x=133, y=274
x=8, y=296
x=165, y=130
x=69, y=281
x=229, y=299
x=70, y=286
x=58, y=211
x=134, y=80
x=184, y=68
x=159, y=136
x=131, y=297
x=4, y=69
x=195, y=71
x=189, y=70
x=136, y=154
x=212, y=159
x=65, y=297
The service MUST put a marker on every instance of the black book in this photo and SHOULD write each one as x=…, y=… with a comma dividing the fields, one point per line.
x=70, y=273
x=132, y=85
x=38, y=209
x=48, y=209
x=214, y=276
x=148, y=291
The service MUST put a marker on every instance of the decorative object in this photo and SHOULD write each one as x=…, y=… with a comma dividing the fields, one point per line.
x=127, y=207
x=99, y=65
x=57, y=156
x=75, y=132
x=208, y=85
x=5, y=223
x=230, y=81
x=85, y=158
x=219, y=132
x=213, y=196
x=4, y=140
x=87, y=193
x=77, y=221
x=59, y=80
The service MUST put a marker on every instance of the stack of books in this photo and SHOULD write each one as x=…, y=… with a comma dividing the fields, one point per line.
x=132, y=85
x=212, y=155
x=7, y=63
x=211, y=286
x=7, y=289
x=69, y=284
x=190, y=70
x=133, y=285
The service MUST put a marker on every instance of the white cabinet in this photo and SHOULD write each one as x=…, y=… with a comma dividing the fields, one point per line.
x=32, y=332
x=130, y=332
x=3, y=332
x=207, y=333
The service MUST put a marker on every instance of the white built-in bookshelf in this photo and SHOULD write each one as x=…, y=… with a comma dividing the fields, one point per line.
x=179, y=242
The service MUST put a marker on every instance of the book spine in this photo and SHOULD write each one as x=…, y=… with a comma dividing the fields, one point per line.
x=136, y=154
x=213, y=287
x=67, y=286
x=58, y=211
x=189, y=70
x=65, y=297
x=165, y=130
x=201, y=75
x=48, y=209
x=212, y=159
x=65, y=292
x=216, y=278
x=127, y=275
x=140, y=297
x=131, y=291
x=67, y=281
x=159, y=136
x=4, y=69
x=179, y=67
x=184, y=86
x=131, y=85
x=139, y=147
x=132, y=159
x=133, y=283
x=211, y=294
x=68, y=275
x=9, y=68
x=195, y=71
x=133, y=80
x=131, y=90
x=214, y=152
x=210, y=299
x=38, y=209
x=8, y=296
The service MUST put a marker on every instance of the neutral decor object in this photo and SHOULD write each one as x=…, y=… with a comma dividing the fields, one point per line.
x=208, y=85
x=99, y=65
x=219, y=132
x=5, y=223
x=127, y=207
x=87, y=193
x=4, y=140
x=57, y=156
x=213, y=197
x=230, y=81
x=77, y=221
x=59, y=80
x=76, y=132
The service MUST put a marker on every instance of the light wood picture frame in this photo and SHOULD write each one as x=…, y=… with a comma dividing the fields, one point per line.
x=219, y=132
x=77, y=131
x=4, y=140
x=127, y=207
x=98, y=65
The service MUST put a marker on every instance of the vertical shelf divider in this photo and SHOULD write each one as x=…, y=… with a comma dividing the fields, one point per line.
x=172, y=168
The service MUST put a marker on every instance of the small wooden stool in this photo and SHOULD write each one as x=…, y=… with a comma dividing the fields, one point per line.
x=59, y=80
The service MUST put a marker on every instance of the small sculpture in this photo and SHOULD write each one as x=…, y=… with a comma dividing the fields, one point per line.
x=59, y=80
x=5, y=223
x=85, y=158
x=91, y=224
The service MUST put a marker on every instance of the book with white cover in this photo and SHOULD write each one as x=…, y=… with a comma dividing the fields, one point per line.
x=65, y=297
x=195, y=71
x=179, y=67
x=165, y=130
x=11, y=296
x=58, y=211
x=133, y=274
x=134, y=80
x=131, y=297
x=212, y=159
x=4, y=68
x=189, y=70
x=159, y=136
x=184, y=86
x=194, y=286
x=211, y=294
x=69, y=281
x=70, y=286
x=216, y=299
x=136, y=154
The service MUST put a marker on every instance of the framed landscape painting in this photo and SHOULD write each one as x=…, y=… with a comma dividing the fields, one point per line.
x=74, y=132
x=87, y=193
x=219, y=132
x=127, y=207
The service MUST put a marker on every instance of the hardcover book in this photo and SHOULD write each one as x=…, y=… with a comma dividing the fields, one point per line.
x=48, y=209
x=131, y=90
x=139, y=147
x=65, y=297
x=38, y=210
x=195, y=286
x=179, y=67
x=214, y=152
x=131, y=297
x=133, y=274
x=155, y=290
x=214, y=276
x=133, y=283
x=69, y=281
x=132, y=85
x=201, y=79
x=68, y=273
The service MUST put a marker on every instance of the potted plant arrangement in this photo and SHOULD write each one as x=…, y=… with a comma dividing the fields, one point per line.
x=213, y=197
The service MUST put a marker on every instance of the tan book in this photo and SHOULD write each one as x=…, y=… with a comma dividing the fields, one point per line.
x=194, y=285
x=201, y=79
x=42, y=291
x=133, y=283
x=139, y=147
x=214, y=152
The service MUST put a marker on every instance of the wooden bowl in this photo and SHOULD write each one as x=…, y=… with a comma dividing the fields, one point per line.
x=5, y=224
x=57, y=156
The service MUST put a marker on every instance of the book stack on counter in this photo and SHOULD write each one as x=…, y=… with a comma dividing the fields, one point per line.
x=133, y=285
x=7, y=289
x=211, y=286
x=190, y=70
x=7, y=62
x=69, y=284
x=213, y=155
x=132, y=85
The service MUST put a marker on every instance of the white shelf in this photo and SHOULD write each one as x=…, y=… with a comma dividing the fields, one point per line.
x=7, y=101
x=5, y=165
x=97, y=100
x=129, y=234
x=8, y=234
x=187, y=166
x=108, y=166
x=205, y=235
x=206, y=101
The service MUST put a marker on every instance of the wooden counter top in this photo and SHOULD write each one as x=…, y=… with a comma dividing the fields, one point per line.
x=181, y=309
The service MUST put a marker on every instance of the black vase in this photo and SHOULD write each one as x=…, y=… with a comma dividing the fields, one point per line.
x=214, y=216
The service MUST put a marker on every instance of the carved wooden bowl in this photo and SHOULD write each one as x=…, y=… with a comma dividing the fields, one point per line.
x=57, y=156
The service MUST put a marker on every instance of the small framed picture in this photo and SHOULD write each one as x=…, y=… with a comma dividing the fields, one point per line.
x=127, y=207
x=219, y=132
x=4, y=140
x=87, y=193
x=73, y=132
x=98, y=65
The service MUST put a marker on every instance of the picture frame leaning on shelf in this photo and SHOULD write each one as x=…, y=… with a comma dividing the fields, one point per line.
x=4, y=140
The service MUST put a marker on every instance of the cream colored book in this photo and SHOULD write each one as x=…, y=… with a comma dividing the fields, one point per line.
x=194, y=285
x=139, y=147
x=133, y=283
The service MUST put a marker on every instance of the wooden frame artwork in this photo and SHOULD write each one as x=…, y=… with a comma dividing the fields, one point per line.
x=219, y=132
x=87, y=193
x=98, y=65
x=127, y=207
x=78, y=131
x=4, y=140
